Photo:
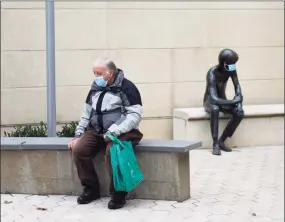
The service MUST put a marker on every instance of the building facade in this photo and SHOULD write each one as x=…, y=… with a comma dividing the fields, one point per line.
x=166, y=48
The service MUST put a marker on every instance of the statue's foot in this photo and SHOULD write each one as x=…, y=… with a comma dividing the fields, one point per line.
x=224, y=148
x=216, y=150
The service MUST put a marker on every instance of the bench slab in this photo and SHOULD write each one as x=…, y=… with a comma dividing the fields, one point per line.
x=263, y=125
x=60, y=143
x=45, y=166
x=250, y=111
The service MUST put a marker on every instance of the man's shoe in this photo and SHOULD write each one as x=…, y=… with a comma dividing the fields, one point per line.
x=87, y=197
x=116, y=204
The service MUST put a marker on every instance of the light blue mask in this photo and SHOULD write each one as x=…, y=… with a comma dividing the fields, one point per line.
x=100, y=81
x=230, y=68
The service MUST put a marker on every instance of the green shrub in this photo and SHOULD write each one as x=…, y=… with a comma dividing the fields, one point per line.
x=28, y=131
x=67, y=130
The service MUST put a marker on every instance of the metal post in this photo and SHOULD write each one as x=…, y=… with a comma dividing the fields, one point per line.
x=50, y=58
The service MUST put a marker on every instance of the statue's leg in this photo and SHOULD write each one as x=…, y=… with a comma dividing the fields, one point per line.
x=230, y=128
x=214, y=121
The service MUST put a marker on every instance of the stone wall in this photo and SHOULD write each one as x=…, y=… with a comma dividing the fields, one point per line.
x=166, y=48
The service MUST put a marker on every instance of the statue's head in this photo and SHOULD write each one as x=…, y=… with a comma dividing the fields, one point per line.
x=228, y=59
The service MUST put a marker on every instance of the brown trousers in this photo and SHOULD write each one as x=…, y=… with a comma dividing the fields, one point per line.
x=86, y=149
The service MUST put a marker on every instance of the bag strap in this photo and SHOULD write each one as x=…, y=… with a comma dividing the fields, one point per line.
x=123, y=103
x=98, y=110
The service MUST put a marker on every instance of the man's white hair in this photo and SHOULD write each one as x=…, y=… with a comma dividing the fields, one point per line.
x=106, y=62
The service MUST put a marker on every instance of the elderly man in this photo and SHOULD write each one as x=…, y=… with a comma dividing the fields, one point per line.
x=113, y=104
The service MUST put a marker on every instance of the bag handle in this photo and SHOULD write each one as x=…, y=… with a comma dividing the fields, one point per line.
x=114, y=139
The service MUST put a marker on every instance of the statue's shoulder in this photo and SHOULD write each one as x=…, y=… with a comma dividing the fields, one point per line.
x=212, y=72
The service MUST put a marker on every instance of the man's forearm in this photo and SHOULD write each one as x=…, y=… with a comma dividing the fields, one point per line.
x=131, y=121
x=127, y=125
x=84, y=120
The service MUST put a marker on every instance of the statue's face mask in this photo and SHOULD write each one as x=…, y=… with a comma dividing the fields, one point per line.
x=230, y=68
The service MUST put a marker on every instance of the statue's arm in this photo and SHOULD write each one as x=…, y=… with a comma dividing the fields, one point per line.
x=238, y=92
x=215, y=100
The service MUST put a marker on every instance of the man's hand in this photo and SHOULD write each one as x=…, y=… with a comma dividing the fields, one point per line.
x=73, y=142
x=106, y=138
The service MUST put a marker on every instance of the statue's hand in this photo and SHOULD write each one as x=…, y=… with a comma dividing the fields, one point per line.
x=238, y=98
x=236, y=101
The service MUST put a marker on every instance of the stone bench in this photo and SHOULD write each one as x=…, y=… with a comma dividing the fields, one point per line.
x=263, y=125
x=45, y=166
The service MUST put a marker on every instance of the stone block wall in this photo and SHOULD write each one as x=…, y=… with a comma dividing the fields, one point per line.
x=166, y=48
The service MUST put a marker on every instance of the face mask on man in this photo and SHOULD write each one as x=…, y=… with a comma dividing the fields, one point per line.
x=230, y=68
x=100, y=81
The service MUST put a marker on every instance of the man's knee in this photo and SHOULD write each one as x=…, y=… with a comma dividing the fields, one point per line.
x=78, y=149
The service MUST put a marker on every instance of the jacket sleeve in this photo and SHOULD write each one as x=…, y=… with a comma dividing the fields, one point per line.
x=133, y=109
x=84, y=118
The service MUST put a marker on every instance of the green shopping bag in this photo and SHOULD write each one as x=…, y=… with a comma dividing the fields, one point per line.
x=116, y=173
x=125, y=169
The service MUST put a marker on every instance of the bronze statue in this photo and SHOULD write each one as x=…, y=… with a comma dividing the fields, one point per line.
x=215, y=99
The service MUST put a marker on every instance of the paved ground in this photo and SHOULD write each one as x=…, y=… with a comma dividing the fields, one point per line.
x=246, y=185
